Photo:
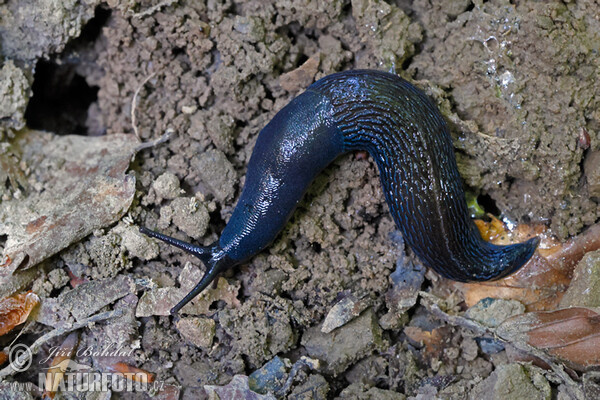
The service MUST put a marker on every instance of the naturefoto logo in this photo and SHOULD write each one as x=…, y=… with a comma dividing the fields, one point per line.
x=69, y=375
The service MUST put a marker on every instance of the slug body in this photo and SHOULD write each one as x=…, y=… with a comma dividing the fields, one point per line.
x=406, y=135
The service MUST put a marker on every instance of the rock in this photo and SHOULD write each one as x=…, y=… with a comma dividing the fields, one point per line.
x=15, y=91
x=217, y=173
x=196, y=330
x=84, y=300
x=367, y=371
x=342, y=347
x=301, y=77
x=252, y=28
x=513, y=382
x=314, y=388
x=358, y=391
x=492, y=312
x=236, y=389
x=270, y=378
x=159, y=301
x=166, y=186
x=190, y=216
x=584, y=289
x=58, y=278
x=489, y=345
x=343, y=311
x=407, y=280
x=137, y=244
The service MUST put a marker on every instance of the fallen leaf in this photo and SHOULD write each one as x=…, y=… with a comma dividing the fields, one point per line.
x=132, y=373
x=434, y=341
x=570, y=335
x=86, y=188
x=492, y=230
x=60, y=365
x=14, y=310
x=541, y=283
x=3, y=357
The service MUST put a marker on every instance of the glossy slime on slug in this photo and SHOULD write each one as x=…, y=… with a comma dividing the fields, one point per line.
x=406, y=135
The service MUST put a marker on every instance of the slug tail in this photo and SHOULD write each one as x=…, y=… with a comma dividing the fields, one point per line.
x=214, y=258
x=512, y=257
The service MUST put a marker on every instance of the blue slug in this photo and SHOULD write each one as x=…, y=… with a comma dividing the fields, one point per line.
x=405, y=133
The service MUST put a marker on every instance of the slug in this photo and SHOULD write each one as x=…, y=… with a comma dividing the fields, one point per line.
x=404, y=132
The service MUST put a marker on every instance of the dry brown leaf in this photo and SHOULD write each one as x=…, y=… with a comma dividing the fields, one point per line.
x=541, y=283
x=87, y=188
x=570, y=335
x=14, y=310
x=60, y=365
x=433, y=341
x=3, y=357
x=132, y=373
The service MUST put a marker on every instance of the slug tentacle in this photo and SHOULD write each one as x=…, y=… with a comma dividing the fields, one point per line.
x=212, y=256
x=408, y=138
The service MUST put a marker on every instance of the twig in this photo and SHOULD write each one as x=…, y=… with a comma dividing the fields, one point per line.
x=166, y=136
x=134, y=105
x=58, y=332
x=431, y=303
x=155, y=8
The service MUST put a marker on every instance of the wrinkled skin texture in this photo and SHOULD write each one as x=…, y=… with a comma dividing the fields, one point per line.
x=408, y=138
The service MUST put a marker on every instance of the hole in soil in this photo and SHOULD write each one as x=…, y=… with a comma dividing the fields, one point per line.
x=488, y=204
x=61, y=97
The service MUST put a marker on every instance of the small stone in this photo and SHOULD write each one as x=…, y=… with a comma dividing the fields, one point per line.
x=252, y=28
x=314, y=388
x=342, y=312
x=217, y=173
x=468, y=349
x=342, y=347
x=15, y=91
x=584, y=290
x=489, y=345
x=190, y=216
x=301, y=77
x=198, y=331
x=492, y=312
x=359, y=391
x=89, y=297
x=189, y=109
x=137, y=244
x=513, y=382
x=58, y=278
x=270, y=378
x=166, y=186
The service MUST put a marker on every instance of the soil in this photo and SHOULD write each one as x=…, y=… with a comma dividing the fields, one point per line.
x=517, y=81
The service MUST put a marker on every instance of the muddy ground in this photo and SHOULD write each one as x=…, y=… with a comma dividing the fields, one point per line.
x=517, y=81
